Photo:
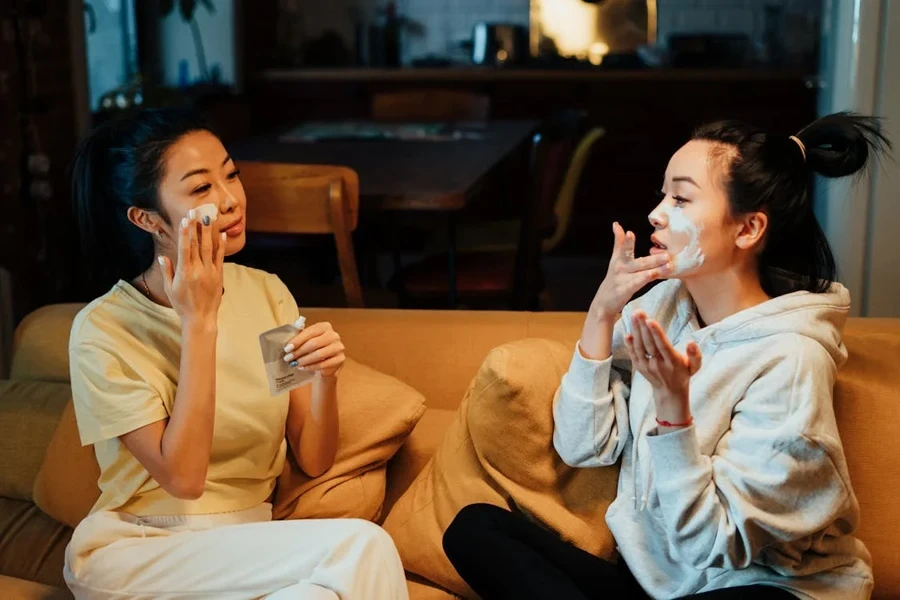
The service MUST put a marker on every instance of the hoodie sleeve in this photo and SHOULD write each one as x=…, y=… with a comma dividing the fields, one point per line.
x=590, y=412
x=774, y=477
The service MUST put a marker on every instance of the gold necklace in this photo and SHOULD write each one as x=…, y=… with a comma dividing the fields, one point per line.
x=146, y=287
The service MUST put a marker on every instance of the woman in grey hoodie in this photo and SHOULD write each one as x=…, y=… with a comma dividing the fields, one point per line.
x=714, y=389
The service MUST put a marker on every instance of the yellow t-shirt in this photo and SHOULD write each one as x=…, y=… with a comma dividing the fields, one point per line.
x=125, y=354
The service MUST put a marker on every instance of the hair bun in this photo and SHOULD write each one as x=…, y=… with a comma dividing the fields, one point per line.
x=840, y=144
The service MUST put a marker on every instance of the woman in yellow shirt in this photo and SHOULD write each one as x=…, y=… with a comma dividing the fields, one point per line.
x=170, y=387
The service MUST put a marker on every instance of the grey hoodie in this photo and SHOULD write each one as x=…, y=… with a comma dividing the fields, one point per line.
x=756, y=491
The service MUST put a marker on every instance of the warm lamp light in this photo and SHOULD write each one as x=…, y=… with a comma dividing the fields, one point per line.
x=596, y=52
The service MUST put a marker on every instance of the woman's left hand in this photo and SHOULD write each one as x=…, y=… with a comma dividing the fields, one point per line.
x=317, y=348
x=667, y=370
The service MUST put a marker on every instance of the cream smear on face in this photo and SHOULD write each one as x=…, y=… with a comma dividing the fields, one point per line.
x=691, y=256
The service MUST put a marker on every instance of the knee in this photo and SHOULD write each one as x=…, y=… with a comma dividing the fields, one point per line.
x=370, y=534
x=469, y=523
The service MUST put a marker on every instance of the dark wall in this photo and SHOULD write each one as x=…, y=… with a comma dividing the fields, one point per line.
x=37, y=117
x=647, y=115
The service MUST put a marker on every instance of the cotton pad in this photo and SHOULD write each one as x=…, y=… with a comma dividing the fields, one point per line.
x=207, y=210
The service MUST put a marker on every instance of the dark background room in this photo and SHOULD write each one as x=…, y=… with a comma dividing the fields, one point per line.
x=488, y=145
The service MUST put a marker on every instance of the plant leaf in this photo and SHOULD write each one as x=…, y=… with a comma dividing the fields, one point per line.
x=209, y=5
x=166, y=6
x=187, y=8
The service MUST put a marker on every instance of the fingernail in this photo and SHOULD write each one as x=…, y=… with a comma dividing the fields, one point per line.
x=289, y=358
x=301, y=368
x=184, y=223
x=206, y=220
x=289, y=348
x=223, y=236
x=191, y=214
x=161, y=261
x=294, y=364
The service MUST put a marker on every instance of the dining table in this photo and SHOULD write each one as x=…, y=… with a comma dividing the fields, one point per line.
x=401, y=166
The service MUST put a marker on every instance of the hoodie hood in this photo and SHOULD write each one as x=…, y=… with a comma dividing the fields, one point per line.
x=820, y=317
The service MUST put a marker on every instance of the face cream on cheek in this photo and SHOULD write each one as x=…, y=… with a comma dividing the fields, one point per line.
x=207, y=210
x=691, y=256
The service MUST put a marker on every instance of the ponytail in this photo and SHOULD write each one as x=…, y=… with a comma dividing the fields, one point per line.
x=120, y=165
x=772, y=174
x=112, y=247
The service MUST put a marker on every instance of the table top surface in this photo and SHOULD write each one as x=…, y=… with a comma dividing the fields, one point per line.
x=437, y=172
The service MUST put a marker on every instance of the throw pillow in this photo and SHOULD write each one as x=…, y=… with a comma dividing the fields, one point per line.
x=377, y=413
x=499, y=450
x=66, y=486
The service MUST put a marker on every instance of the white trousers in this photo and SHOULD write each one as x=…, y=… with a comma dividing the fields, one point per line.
x=239, y=556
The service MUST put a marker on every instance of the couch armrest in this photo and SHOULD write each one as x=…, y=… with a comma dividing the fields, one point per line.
x=41, y=344
x=29, y=414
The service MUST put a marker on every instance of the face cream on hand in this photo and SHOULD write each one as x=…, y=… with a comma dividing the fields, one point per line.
x=282, y=377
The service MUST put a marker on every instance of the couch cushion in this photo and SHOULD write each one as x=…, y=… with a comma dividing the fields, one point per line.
x=11, y=587
x=420, y=590
x=511, y=425
x=41, y=344
x=66, y=486
x=499, y=450
x=867, y=406
x=29, y=412
x=377, y=413
x=32, y=545
x=415, y=453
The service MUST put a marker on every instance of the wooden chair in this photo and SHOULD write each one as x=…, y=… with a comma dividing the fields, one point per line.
x=307, y=199
x=503, y=235
x=431, y=105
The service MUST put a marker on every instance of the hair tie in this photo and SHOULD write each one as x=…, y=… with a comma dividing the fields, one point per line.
x=802, y=146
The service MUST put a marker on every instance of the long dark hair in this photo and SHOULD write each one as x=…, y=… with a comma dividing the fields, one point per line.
x=119, y=165
x=773, y=174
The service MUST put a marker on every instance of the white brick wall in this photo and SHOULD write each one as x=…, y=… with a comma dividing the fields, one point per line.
x=725, y=16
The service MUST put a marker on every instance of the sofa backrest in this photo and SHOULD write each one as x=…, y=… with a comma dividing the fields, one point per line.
x=423, y=348
x=438, y=352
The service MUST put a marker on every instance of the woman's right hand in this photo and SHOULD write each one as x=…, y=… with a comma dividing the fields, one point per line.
x=194, y=285
x=625, y=276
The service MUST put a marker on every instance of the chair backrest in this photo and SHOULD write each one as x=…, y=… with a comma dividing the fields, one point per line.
x=551, y=152
x=565, y=200
x=431, y=105
x=307, y=199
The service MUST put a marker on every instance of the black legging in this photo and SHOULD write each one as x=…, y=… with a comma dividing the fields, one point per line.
x=503, y=555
